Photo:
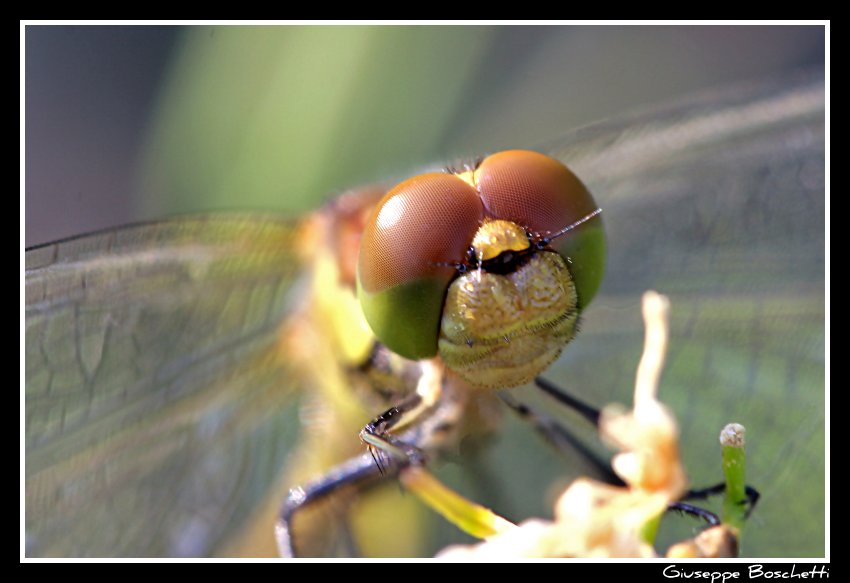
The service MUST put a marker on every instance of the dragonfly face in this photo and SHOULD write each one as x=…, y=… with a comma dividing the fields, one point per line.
x=515, y=303
x=158, y=367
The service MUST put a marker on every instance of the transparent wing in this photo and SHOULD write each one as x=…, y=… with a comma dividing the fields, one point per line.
x=154, y=385
x=720, y=204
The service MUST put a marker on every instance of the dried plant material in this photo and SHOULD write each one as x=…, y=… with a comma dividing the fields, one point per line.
x=717, y=542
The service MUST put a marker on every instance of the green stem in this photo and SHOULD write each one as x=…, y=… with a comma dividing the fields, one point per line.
x=734, y=470
x=649, y=530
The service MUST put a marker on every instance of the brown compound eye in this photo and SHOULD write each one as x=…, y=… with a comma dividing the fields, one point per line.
x=542, y=195
x=418, y=229
x=532, y=190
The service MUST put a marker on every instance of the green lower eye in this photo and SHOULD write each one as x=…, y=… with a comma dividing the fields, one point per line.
x=406, y=317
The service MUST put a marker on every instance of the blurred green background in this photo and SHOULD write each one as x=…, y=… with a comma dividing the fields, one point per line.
x=132, y=123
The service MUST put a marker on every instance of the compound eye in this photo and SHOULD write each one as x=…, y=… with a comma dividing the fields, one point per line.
x=542, y=195
x=417, y=230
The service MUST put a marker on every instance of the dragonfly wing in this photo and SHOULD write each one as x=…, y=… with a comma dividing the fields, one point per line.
x=720, y=204
x=154, y=384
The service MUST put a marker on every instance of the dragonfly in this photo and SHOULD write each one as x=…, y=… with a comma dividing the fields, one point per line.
x=164, y=361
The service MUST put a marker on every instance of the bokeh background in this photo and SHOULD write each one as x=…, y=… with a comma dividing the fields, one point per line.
x=132, y=123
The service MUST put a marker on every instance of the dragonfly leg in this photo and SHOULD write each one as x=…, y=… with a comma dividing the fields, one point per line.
x=562, y=439
x=589, y=412
x=359, y=472
x=710, y=517
x=386, y=457
x=752, y=495
x=376, y=434
x=705, y=493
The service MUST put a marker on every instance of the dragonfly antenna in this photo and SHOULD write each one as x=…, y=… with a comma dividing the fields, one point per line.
x=572, y=226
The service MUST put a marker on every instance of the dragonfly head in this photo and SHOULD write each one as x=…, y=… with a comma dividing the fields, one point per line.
x=489, y=267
